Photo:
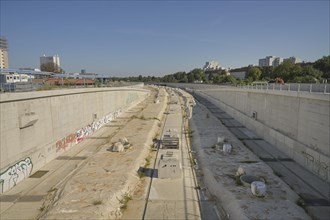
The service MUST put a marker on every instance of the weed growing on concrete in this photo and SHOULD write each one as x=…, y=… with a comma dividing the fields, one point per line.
x=300, y=202
x=42, y=208
x=147, y=159
x=52, y=189
x=197, y=187
x=124, y=201
x=141, y=173
x=97, y=202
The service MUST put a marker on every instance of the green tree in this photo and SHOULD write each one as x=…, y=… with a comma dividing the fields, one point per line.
x=219, y=78
x=254, y=73
x=311, y=71
x=198, y=74
x=323, y=65
x=267, y=72
x=287, y=71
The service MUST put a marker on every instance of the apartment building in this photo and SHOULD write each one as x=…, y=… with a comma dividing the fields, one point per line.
x=3, y=53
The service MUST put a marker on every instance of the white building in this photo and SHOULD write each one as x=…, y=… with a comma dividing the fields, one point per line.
x=53, y=60
x=275, y=61
x=3, y=53
x=293, y=59
x=270, y=61
x=239, y=74
x=211, y=65
x=13, y=78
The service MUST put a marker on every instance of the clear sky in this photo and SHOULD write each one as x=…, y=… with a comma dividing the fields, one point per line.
x=128, y=38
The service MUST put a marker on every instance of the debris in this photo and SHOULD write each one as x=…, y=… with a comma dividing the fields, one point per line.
x=124, y=142
x=226, y=148
x=118, y=147
x=258, y=188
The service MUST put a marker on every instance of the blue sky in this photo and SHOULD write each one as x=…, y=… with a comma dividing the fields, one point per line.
x=128, y=38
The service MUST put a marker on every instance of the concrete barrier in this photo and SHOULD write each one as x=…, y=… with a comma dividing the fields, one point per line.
x=36, y=127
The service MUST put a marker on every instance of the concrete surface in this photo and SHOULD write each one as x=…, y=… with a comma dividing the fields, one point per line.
x=216, y=172
x=297, y=123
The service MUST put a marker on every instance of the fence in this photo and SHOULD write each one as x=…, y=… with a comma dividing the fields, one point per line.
x=317, y=88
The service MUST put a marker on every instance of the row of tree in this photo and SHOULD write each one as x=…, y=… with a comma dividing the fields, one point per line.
x=294, y=73
x=319, y=71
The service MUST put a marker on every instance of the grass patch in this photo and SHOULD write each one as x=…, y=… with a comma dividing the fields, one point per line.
x=47, y=87
x=147, y=159
x=141, y=173
x=97, y=202
x=300, y=202
x=42, y=208
x=52, y=189
x=124, y=201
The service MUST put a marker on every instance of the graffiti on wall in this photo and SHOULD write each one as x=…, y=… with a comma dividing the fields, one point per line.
x=84, y=132
x=320, y=168
x=15, y=173
x=65, y=142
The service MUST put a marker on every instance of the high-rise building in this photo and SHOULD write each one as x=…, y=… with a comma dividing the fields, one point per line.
x=50, y=64
x=3, y=53
x=211, y=65
x=293, y=59
x=270, y=61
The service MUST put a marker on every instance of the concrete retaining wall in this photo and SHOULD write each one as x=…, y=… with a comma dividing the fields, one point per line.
x=296, y=123
x=36, y=127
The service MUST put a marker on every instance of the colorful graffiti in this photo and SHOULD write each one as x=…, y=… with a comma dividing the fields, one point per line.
x=16, y=173
x=82, y=133
x=320, y=168
x=64, y=143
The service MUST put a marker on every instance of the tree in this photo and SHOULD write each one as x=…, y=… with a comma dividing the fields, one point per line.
x=311, y=71
x=197, y=74
x=254, y=73
x=323, y=65
x=287, y=71
x=267, y=72
x=224, y=79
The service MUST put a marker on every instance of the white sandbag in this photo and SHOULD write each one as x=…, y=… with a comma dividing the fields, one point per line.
x=226, y=148
x=258, y=188
x=118, y=147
